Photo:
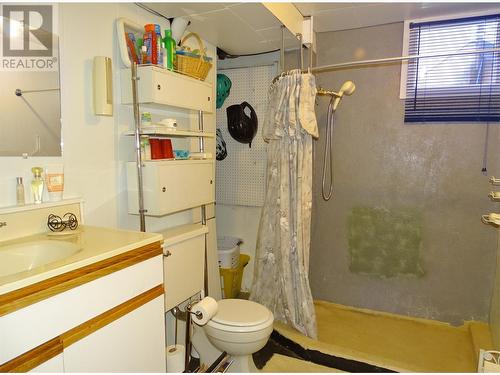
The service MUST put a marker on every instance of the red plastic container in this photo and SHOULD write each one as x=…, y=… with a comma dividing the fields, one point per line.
x=166, y=146
x=156, y=148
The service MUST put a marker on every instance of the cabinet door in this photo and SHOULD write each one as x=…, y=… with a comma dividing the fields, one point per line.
x=133, y=343
x=179, y=91
x=184, y=186
x=171, y=186
x=184, y=269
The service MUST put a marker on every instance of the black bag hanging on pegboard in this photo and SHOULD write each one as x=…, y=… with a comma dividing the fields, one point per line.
x=241, y=126
x=221, y=151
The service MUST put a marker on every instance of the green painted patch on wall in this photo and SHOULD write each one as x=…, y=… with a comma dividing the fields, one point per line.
x=385, y=243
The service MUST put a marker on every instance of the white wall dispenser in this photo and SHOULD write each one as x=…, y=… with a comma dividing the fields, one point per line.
x=103, y=86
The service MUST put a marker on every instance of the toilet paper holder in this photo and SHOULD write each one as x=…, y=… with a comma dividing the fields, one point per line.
x=187, y=343
x=199, y=316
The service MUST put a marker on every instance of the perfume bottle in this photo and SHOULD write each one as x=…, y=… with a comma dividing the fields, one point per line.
x=20, y=191
x=37, y=184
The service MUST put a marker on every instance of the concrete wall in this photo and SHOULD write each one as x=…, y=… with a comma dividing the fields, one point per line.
x=431, y=172
x=495, y=305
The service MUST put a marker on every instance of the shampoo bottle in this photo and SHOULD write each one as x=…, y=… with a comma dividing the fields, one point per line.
x=37, y=184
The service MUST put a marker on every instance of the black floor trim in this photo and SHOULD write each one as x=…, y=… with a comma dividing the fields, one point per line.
x=282, y=345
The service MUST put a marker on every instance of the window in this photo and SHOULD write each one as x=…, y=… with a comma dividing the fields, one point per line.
x=456, y=88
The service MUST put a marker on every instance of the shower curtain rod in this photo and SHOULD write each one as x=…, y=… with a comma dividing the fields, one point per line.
x=349, y=64
x=321, y=69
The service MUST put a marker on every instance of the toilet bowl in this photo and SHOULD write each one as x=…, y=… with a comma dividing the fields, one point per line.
x=240, y=328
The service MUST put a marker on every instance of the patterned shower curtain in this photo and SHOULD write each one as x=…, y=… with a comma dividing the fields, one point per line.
x=281, y=279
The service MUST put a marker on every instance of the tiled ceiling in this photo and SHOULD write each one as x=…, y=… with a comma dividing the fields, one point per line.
x=237, y=28
x=341, y=16
x=245, y=28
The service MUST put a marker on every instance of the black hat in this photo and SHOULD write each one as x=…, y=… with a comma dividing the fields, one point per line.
x=241, y=127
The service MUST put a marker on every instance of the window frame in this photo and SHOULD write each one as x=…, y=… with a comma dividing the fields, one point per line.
x=406, y=38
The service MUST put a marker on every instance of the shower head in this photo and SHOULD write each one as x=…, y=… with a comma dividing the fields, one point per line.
x=347, y=88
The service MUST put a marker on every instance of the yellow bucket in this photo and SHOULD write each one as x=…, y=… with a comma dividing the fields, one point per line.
x=231, y=278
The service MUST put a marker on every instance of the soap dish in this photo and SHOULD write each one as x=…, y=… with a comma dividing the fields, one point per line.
x=181, y=154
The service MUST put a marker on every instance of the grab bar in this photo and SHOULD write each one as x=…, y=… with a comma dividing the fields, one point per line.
x=494, y=195
x=494, y=181
x=20, y=92
x=492, y=218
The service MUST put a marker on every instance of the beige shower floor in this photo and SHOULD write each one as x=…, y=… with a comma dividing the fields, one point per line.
x=392, y=341
x=281, y=363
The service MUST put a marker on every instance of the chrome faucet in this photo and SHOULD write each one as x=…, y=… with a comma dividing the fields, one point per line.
x=3, y=224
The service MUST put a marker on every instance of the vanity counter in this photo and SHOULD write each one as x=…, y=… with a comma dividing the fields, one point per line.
x=98, y=249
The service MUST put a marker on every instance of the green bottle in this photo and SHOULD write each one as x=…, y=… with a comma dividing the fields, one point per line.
x=170, y=49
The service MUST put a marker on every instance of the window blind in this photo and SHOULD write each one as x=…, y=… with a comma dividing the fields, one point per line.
x=461, y=88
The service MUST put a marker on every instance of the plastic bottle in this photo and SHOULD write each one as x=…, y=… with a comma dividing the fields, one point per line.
x=170, y=49
x=37, y=184
x=164, y=55
x=20, y=198
x=159, y=53
x=149, y=40
x=139, y=50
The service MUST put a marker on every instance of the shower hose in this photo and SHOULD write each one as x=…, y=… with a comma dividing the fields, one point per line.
x=328, y=154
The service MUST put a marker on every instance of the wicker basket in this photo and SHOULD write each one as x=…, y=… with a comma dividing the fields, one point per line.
x=196, y=67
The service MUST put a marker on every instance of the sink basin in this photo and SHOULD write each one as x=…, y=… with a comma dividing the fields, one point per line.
x=28, y=255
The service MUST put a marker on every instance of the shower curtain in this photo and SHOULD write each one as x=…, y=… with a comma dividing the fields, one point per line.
x=281, y=279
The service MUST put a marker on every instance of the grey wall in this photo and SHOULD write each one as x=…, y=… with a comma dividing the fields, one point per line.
x=495, y=306
x=382, y=165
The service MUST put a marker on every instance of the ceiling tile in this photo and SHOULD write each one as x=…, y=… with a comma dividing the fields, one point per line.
x=245, y=40
x=369, y=14
x=310, y=9
x=255, y=15
x=188, y=9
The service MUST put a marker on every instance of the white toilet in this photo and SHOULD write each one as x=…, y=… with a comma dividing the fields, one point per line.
x=240, y=328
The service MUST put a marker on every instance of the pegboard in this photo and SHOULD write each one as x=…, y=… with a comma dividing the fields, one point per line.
x=241, y=176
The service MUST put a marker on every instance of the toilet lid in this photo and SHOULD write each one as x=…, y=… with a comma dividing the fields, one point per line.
x=240, y=312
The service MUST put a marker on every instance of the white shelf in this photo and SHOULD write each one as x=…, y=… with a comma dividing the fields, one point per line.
x=160, y=130
x=177, y=161
x=32, y=206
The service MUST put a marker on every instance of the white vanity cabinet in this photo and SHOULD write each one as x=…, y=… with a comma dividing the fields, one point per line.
x=107, y=316
x=132, y=343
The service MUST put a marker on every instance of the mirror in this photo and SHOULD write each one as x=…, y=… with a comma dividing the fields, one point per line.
x=30, y=105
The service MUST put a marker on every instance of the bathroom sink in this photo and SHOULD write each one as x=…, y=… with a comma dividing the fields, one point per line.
x=28, y=255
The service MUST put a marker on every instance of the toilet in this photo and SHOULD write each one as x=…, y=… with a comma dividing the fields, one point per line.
x=240, y=328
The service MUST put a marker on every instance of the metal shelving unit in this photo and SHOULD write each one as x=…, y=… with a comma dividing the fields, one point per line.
x=157, y=130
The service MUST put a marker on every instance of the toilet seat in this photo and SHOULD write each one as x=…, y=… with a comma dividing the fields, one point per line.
x=238, y=315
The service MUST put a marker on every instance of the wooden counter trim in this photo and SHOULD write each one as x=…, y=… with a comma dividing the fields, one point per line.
x=17, y=299
x=94, y=324
x=35, y=357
